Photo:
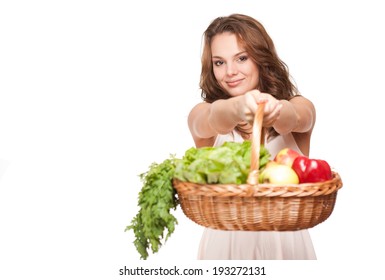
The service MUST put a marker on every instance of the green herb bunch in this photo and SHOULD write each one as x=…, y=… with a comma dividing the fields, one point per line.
x=156, y=198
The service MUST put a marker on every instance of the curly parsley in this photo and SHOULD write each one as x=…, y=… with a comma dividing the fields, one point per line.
x=156, y=199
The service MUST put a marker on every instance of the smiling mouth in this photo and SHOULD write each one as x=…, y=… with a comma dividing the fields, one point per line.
x=234, y=83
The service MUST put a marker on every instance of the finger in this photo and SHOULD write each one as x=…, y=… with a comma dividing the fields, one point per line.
x=262, y=100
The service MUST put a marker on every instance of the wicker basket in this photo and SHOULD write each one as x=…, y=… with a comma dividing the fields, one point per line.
x=258, y=207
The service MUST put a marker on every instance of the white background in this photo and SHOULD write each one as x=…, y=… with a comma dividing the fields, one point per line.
x=93, y=92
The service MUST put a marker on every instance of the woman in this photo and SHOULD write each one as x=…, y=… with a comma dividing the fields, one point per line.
x=240, y=70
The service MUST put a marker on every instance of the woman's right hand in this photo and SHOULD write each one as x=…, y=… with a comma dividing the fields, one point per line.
x=247, y=105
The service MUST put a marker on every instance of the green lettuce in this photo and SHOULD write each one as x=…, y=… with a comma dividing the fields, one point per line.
x=226, y=164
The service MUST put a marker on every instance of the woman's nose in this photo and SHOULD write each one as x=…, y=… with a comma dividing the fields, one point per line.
x=232, y=69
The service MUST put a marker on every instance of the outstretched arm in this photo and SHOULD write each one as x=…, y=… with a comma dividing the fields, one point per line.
x=297, y=115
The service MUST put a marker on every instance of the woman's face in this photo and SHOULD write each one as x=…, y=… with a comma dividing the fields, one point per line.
x=232, y=66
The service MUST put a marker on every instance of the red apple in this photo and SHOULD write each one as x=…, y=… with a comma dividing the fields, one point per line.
x=312, y=170
x=286, y=156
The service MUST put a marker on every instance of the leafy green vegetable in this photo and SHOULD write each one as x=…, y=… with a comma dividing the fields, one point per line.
x=156, y=199
x=227, y=164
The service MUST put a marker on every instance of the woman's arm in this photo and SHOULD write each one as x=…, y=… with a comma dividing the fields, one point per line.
x=207, y=120
x=296, y=115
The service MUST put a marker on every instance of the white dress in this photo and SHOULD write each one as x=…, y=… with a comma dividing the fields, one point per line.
x=257, y=245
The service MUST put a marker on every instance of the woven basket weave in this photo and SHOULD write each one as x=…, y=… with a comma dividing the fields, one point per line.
x=258, y=207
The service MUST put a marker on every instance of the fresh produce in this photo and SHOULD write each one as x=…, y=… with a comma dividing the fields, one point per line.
x=227, y=164
x=276, y=173
x=156, y=199
x=312, y=170
x=286, y=156
x=308, y=170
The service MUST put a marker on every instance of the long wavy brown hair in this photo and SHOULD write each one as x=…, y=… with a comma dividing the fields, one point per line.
x=274, y=75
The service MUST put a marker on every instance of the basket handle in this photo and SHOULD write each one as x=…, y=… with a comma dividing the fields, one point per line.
x=255, y=145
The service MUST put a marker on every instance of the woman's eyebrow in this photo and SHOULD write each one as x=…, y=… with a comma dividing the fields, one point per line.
x=237, y=54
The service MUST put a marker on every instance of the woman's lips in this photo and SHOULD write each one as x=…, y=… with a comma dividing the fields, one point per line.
x=234, y=83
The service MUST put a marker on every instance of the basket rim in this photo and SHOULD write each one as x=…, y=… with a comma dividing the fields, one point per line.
x=247, y=190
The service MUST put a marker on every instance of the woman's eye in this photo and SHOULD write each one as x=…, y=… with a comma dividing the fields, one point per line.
x=218, y=63
x=242, y=58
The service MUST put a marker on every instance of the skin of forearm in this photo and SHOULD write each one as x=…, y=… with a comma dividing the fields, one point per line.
x=223, y=117
x=297, y=115
x=288, y=120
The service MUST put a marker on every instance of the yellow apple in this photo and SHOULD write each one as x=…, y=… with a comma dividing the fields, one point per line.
x=281, y=174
